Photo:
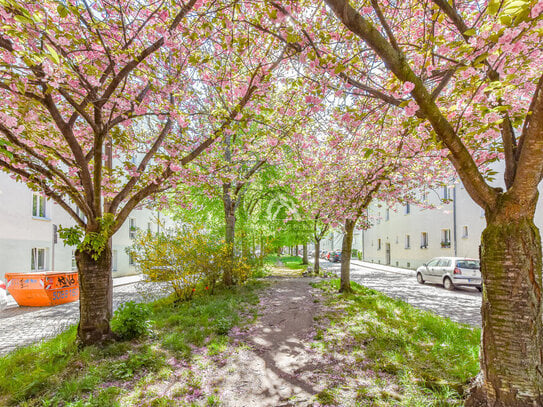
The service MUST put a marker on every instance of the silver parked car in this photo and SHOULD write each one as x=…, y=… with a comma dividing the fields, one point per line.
x=451, y=272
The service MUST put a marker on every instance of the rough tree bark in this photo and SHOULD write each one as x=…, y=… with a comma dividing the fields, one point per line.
x=230, y=233
x=95, y=297
x=316, y=265
x=304, y=254
x=511, y=260
x=512, y=341
x=346, y=245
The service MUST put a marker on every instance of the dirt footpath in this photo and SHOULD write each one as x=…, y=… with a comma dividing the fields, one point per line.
x=274, y=364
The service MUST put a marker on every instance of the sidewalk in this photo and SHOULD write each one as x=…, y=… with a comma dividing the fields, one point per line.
x=382, y=267
x=117, y=282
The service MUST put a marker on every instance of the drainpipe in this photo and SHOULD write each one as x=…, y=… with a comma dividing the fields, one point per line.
x=363, y=248
x=53, y=241
x=454, y=221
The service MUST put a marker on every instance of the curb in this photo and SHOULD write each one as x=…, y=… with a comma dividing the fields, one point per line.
x=388, y=269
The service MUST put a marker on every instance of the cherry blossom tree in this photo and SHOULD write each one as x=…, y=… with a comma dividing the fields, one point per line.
x=105, y=103
x=363, y=155
x=469, y=76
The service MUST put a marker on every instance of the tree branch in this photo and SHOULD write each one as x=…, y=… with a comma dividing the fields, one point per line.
x=460, y=157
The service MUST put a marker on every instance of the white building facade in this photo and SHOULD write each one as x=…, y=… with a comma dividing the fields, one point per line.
x=408, y=236
x=27, y=233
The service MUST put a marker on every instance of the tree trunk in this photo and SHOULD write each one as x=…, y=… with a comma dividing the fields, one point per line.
x=316, y=265
x=297, y=251
x=346, y=246
x=95, y=297
x=512, y=341
x=230, y=222
x=304, y=257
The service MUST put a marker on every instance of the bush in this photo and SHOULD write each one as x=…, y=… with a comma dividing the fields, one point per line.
x=187, y=258
x=131, y=320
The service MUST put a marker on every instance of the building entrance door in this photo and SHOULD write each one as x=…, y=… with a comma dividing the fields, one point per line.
x=387, y=246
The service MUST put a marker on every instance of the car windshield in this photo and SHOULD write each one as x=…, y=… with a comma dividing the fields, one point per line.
x=468, y=264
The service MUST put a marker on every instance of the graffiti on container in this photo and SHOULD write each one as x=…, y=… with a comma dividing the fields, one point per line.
x=18, y=283
x=63, y=294
x=62, y=281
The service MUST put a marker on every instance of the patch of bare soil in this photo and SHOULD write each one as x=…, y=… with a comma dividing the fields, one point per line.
x=273, y=364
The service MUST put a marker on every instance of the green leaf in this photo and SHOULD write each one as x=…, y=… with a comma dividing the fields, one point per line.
x=368, y=153
x=493, y=7
x=292, y=38
x=339, y=68
x=54, y=56
x=506, y=20
x=471, y=32
x=515, y=7
x=23, y=19
x=62, y=10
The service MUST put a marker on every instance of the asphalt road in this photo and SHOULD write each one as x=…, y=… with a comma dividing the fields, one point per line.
x=461, y=305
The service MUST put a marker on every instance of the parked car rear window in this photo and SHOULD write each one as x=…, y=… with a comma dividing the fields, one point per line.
x=468, y=264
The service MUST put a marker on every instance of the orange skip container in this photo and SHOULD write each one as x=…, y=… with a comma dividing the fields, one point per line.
x=43, y=289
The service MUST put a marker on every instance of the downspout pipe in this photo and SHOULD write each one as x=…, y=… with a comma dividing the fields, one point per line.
x=454, y=222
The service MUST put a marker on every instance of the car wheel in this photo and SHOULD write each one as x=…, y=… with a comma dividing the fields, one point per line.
x=480, y=289
x=448, y=284
x=419, y=278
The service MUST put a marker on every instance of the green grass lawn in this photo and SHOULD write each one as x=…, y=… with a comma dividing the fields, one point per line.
x=291, y=262
x=57, y=373
x=383, y=352
x=407, y=357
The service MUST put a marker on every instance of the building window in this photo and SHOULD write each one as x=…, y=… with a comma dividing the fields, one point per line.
x=131, y=261
x=445, y=238
x=465, y=233
x=114, y=261
x=132, y=228
x=38, y=206
x=424, y=240
x=407, y=208
x=387, y=214
x=74, y=263
x=37, y=261
x=407, y=242
x=80, y=213
x=378, y=244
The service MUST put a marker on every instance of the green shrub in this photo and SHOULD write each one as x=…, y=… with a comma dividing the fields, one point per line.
x=131, y=320
x=223, y=325
x=189, y=259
